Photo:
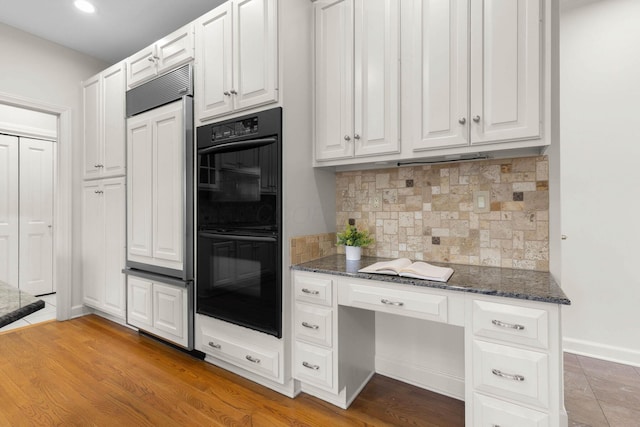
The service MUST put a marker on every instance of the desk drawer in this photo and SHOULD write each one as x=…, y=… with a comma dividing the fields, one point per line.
x=392, y=300
x=513, y=373
x=313, y=324
x=493, y=412
x=512, y=323
x=313, y=365
x=261, y=361
x=313, y=289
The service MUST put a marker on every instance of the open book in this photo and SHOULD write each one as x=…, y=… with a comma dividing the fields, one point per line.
x=406, y=268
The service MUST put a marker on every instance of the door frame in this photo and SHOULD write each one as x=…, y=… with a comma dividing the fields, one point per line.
x=62, y=196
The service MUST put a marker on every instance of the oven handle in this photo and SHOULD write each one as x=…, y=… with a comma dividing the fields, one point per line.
x=229, y=146
x=239, y=238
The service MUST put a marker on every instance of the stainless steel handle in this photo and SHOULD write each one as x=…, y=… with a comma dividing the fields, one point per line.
x=227, y=93
x=396, y=303
x=356, y=136
x=501, y=374
x=476, y=119
x=563, y=237
x=310, y=292
x=96, y=166
x=233, y=92
x=98, y=191
x=214, y=345
x=252, y=359
x=310, y=366
x=347, y=138
x=507, y=325
x=462, y=120
x=100, y=166
x=151, y=59
x=310, y=326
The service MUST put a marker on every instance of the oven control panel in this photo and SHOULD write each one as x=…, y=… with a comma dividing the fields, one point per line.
x=235, y=129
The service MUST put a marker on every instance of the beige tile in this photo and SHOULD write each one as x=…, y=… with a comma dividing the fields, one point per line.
x=585, y=411
x=610, y=371
x=614, y=392
x=620, y=416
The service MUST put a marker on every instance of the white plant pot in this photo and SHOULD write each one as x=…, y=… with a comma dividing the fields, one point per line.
x=353, y=252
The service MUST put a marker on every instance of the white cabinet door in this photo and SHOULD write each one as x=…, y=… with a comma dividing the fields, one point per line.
x=114, y=245
x=377, y=84
x=175, y=49
x=93, y=240
x=214, y=66
x=36, y=216
x=255, y=43
x=169, y=311
x=139, y=187
x=333, y=79
x=113, y=121
x=155, y=187
x=438, y=74
x=141, y=66
x=92, y=127
x=167, y=193
x=139, y=302
x=9, y=217
x=505, y=70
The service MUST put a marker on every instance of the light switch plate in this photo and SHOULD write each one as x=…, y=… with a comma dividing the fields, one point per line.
x=481, y=201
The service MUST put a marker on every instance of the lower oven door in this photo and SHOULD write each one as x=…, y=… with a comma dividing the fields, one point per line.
x=239, y=280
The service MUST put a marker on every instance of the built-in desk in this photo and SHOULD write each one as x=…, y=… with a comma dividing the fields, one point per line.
x=512, y=336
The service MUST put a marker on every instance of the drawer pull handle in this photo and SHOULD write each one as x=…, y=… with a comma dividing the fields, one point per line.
x=310, y=326
x=501, y=374
x=252, y=359
x=508, y=325
x=396, y=303
x=310, y=366
x=308, y=291
x=214, y=345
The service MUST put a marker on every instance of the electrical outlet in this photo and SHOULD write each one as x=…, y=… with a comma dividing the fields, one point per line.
x=375, y=201
x=481, y=202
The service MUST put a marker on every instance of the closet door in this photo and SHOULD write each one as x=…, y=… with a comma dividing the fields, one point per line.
x=36, y=216
x=9, y=210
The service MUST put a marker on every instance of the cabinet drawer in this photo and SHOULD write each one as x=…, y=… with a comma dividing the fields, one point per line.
x=521, y=325
x=391, y=300
x=313, y=365
x=314, y=324
x=493, y=412
x=258, y=360
x=313, y=289
x=513, y=373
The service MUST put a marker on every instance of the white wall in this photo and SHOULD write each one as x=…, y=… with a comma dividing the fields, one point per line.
x=47, y=73
x=600, y=149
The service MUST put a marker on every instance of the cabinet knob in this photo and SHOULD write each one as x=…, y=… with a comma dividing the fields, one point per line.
x=462, y=120
x=227, y=93
x=356, y=136
x=476, y=119
x=233, y=92
x=563, y=237
x=151, y=59
x=347, y=138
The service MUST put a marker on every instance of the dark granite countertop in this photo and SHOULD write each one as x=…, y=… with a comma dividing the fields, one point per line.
x=503, y=282
x=15, y=304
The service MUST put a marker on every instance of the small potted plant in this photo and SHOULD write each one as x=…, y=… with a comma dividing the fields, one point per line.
x=354, y=240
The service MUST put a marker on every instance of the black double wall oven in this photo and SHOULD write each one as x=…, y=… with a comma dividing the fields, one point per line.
x=239, y=204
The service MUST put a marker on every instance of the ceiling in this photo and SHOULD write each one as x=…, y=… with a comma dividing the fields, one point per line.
x=117, y=29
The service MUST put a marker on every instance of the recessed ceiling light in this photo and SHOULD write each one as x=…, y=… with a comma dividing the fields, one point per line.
x=84, y=6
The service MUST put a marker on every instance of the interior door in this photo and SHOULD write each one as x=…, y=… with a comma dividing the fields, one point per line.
x=36, y=216
x=9, y=210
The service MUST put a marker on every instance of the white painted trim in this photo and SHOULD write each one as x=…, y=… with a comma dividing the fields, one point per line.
x=420, y=376
x=602, y=351
x=26, y=131
x=63, y=167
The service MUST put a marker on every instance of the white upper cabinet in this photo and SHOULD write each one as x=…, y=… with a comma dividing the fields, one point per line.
x=495, y=46
x=236, y=57
x=167, y=53
x=356, y=90
x=104, y=123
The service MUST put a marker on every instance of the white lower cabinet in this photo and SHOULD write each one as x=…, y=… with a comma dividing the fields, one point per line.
x=493, y=412
x=160, y=309
x=314, y=364
x=103, y=245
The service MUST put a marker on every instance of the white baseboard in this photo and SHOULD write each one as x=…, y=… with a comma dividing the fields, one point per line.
x=602, y=351
x=420, y=376
x=79, y=311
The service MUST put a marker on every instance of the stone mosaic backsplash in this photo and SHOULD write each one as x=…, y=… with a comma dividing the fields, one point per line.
x=430, y=213
x=308, y=248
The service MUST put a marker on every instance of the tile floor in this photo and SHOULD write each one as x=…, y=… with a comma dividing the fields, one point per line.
x=42, y=315
x=597, y=393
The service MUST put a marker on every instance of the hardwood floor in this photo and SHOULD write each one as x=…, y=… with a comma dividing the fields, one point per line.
x=89, y=371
